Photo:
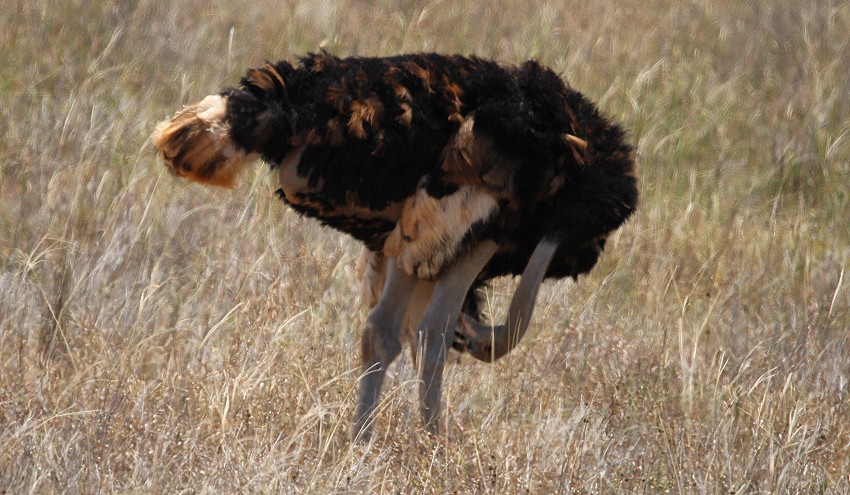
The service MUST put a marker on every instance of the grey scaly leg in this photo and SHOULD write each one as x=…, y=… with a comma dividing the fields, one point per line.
x=380, y=345
x=440, y=316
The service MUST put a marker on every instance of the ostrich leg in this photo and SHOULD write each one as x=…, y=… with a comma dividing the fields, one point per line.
x=418, y=304
x=380, y=345
x=440, y=316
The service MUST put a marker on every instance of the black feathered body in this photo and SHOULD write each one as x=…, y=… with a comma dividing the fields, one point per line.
x=424, y=158
x=376, y=132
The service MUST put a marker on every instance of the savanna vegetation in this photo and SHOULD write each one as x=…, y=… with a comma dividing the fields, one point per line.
x=161, y=337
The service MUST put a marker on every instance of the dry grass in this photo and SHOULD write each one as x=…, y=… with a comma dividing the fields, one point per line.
x=157, y=337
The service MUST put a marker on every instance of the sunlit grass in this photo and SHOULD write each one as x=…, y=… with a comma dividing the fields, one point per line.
x=166, y=338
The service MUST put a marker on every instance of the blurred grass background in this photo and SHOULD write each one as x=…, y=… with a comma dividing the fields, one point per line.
x=159, y=337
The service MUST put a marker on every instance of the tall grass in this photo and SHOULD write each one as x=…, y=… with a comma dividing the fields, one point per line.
x=159, y=337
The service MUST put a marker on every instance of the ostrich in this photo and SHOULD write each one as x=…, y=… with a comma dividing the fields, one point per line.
x=450, y=170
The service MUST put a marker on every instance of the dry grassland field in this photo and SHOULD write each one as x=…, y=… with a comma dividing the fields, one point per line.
x=158, y=336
